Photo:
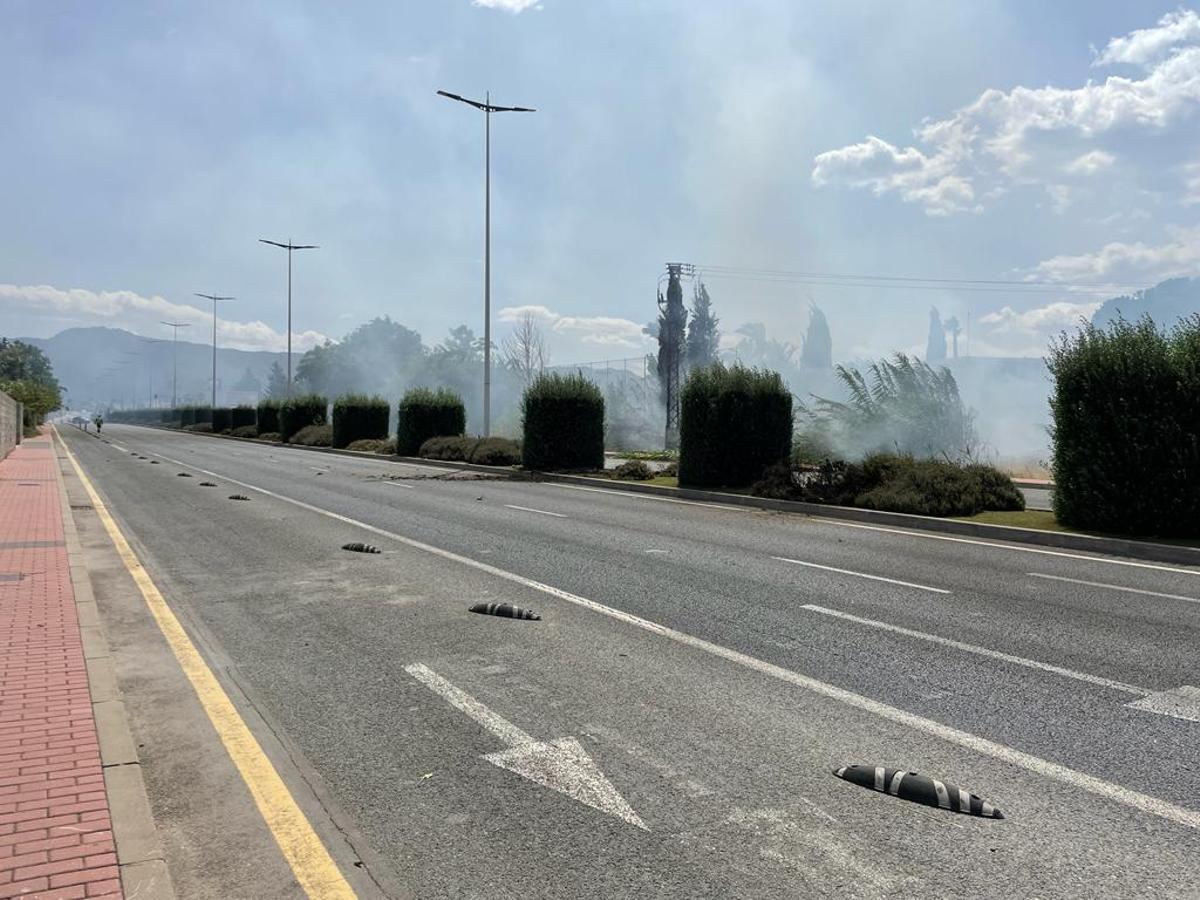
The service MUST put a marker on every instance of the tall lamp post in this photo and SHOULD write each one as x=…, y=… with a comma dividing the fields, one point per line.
x=214, y=298
x=487, y=108
x=289, y=247
x=175, y=361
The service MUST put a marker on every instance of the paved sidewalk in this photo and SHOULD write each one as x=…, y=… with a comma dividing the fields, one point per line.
x=55, y=831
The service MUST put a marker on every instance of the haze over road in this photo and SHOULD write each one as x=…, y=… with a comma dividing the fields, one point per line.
x=669, y=728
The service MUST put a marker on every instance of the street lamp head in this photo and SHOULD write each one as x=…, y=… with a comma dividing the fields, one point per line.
x=486, y=107
x=289, y=245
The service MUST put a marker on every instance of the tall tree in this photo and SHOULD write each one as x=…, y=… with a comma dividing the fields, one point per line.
x=672, y=324
x=935, y=346
x=276, y=382
x=24, y=362
x=954, y=329
x=524, y=351
x=702, y=334
x=817, y=352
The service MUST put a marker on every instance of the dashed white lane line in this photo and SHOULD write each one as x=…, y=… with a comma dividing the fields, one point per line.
x=1114, y=587
x=540, y=512
x=981, y=651
x=1017, y=547
x=397, y=484
x=1155, y=806
x=813, y=565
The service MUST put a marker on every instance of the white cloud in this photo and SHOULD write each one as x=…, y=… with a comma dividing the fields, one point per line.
x=991, y=141
x=1191, y=183
x=1007, y=332
x=144, y=315
x=509, y=6
x=1089, y=163
x=1148, y=44
x=1060, y=197
x=1178, y=256
x=603, y=330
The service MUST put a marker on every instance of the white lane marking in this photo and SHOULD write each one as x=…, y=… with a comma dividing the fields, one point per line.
x=1179, y=703
x=540, y=512
x=118, y=446
x=561, y=765
x=1017, y=547
x=812, y=565
x=397, y=484
x=981, y=651
x=656, y=551
x=1134, y=799
x=637, y=496
x=1114, y=587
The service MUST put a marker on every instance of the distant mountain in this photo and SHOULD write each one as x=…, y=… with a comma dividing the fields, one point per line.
x=81, y=356
x=1166, y=303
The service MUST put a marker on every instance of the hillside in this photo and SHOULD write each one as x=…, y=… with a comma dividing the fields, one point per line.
x=1166, y=303
x=81, y=356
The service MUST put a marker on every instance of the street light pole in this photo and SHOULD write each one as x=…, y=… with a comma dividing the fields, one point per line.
x=289, y=247
x=487, y=108
x=150, y=372
x=214, y=298
x=175, y=361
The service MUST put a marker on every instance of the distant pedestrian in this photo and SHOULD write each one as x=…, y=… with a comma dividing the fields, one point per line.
x=99, y=421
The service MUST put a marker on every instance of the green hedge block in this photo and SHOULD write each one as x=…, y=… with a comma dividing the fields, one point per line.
x=425, y=414
x=358, y=417
x=300, y=412
x=562, y=423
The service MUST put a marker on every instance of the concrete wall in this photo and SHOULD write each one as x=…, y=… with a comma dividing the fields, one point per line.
x=10, y=424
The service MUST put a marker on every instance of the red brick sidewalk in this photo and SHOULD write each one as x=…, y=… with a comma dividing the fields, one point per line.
x=55, y=835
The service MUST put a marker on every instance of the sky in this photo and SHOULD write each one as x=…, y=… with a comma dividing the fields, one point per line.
x=149, y=146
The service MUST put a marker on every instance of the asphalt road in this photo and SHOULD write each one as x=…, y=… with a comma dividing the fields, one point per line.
x=715, y=664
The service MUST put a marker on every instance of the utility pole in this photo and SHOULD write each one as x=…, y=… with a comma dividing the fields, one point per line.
x=214, y=298
x=487, y=108
x=150, y=372
x=175, y=361
x=289, y=247
x=672, y=322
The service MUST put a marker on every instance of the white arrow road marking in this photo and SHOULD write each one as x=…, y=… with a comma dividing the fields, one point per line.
x=561, y=765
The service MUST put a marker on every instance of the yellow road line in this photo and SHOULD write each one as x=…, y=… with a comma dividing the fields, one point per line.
x=314, y=868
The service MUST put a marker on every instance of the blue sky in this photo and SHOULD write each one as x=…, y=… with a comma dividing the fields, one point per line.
x=149, y=146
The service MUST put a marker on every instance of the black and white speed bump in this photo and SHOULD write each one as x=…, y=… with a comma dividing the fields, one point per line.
x=919, y=789
x=505, y=610
x=360, y=547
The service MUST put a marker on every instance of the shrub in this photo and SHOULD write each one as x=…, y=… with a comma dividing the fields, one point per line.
x=563, y=423
x=447, y=448
x=670, y=470
x=269, y=436
x=187, y=416
x=243, y=416
x=425, y=414
x=358, y=417
x=634, y=470
x=268, y=416
x=366, y=445
x=734, y=423
x=244, y=431
x=896, y=483
x=169, y=417
x=301, y=411
x=200, y=428
x=1126, y=428
x=495, y=451
x=204, y=414
x=222, y=419
x=313, y=436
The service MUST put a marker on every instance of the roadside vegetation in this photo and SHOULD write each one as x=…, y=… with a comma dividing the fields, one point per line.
x=562, y=418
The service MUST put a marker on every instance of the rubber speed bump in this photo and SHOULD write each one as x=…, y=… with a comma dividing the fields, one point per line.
x=183, y=474
x=207, y=484
x=505, y=610
x=919, y=789
x=360, y=547
x=238, y=497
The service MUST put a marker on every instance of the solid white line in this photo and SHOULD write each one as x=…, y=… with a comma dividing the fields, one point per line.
x=981, y=651
x=1101, y=788
x=812, y=565
x=637, y=496
x=540, y=512
x=1017, y=547
x=1114, y=587
x=493, y=722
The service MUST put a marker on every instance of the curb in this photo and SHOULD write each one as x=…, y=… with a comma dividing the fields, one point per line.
x=1109, y=546
x=140, y=859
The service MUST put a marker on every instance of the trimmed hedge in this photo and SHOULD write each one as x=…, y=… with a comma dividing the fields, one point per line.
x=563, y=423
x=734, y=422
x=170, y=417
x=300, y=412
x=357, y=417
x=242, y=416
x=1126, y=428
x=203, y=415
x=424, y=414
x=222, y=419
x=267, y=416
x=187, y=416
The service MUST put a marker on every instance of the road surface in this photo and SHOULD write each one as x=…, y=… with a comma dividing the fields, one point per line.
x=670, y=727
